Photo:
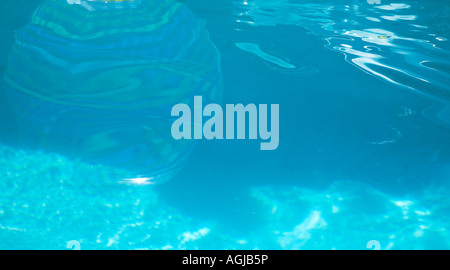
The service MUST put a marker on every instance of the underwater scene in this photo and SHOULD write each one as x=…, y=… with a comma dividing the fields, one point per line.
x=225, y=124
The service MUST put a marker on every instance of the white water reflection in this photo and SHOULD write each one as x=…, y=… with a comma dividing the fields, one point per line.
x=388, y=41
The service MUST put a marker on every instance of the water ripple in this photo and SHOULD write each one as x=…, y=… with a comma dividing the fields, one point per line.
x=389, y=41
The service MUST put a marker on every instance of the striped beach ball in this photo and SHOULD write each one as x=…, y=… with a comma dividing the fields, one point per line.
x=95, y=81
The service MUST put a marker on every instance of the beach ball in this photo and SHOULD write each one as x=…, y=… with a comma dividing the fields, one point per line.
x=95, y=81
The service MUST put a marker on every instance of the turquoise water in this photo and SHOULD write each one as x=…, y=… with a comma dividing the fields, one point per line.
x=86, y=152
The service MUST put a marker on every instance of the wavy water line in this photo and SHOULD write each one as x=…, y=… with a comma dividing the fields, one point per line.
x=370, y=38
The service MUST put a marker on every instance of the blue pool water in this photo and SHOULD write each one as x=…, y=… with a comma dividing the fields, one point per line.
x=87, y=155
